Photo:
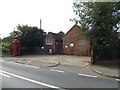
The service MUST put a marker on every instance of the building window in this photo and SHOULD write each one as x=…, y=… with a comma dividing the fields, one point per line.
x=66, y=46
x=71, y=44
x=66, y=43
x=48, y=41
x=81, y=42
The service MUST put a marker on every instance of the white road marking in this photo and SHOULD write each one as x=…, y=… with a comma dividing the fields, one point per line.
x=57, y=70
x=15, y=62
x=24, y=64
x=34, y=81
x=31, y=66
x=4, y=75
x=87, y=75
x=118, y=79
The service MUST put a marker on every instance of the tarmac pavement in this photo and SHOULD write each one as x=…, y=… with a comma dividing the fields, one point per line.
x=105, y=70
x=16, y=75
x=67, y=62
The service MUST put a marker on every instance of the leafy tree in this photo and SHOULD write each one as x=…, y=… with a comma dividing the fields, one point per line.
x=30, y=36
x=15, y=34
x=6, y=44
x=7, y=41
x=0, y=38
x=61, y=32
x=100, y=20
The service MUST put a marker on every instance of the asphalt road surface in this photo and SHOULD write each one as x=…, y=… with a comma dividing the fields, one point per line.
x=16, y=75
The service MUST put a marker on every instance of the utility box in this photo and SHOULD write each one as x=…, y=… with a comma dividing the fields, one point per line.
x=16, y=47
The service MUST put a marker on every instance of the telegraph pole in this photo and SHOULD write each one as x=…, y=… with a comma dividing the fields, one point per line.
x=40, y=23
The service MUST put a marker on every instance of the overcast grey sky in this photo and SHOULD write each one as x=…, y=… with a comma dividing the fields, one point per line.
x=55, y=14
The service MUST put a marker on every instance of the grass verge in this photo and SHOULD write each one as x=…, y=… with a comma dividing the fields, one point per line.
x=4, y=54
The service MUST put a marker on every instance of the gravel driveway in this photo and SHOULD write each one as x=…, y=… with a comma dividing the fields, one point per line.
x=51, y=60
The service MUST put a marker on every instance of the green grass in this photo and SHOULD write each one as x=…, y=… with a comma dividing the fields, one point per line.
x=4, y=54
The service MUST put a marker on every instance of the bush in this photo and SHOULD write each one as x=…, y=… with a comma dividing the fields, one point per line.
x=6, y=47
x=106, y=52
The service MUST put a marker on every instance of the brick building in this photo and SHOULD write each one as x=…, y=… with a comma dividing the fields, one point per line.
x=74, y=43
x=53, y=43
x=118, y=31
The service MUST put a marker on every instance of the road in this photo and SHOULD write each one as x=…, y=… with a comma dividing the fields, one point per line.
x=16, y=75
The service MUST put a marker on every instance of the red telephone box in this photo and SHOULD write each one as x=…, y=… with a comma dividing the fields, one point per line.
x=15, y=47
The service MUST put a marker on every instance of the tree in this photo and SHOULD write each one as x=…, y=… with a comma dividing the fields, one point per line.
x=30, y=37
x=6, y=44
x=61, y=33
x=7, y=41
x=101, y=20
x=15, y=34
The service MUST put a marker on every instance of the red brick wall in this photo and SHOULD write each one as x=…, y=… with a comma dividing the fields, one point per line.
x=72, y=36
x=57, y=45
x=47, y=47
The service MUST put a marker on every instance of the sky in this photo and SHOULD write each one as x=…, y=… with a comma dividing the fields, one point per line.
x=55, y=15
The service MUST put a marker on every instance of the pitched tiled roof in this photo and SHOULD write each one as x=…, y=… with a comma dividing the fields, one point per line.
x=71, y=29
x=56, y=36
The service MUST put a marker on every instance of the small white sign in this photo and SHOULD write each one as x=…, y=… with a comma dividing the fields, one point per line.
x=66, y=46
x=42, y=47
x=72, y=44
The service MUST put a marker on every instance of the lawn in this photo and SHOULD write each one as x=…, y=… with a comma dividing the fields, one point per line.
x=4, y=54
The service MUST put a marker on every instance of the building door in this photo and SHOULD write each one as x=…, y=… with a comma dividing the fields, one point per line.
x=58, y=47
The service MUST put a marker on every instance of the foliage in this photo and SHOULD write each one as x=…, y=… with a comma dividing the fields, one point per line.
x=7, y=41
x=30, y=36
x=15, y=34
x=101, y=12
x=6, y=44
x=101, y=20
x=4, y=54
x=61, y=33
